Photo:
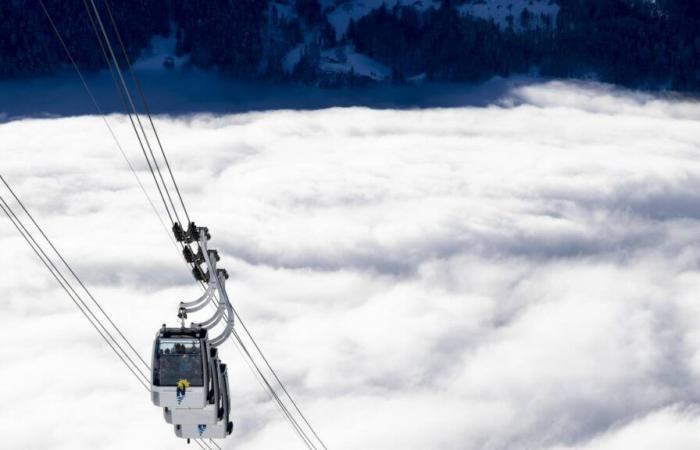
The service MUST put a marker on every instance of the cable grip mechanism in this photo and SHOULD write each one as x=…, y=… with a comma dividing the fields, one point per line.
x=192, y=234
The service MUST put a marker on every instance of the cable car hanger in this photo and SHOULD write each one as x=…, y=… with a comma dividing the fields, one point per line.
x=215, y=284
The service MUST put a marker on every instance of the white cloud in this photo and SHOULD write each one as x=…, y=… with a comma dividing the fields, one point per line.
x=673, y=427
x=516, y=276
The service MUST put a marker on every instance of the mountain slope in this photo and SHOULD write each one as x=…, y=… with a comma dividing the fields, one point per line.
x=341, y=42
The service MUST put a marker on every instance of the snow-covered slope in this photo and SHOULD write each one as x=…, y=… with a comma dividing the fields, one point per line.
x=345, y=59
x=504, y=12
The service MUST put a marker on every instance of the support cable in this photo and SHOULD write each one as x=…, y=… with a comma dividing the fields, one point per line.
x=125, y=103
x=274, y=373
x=222, y=304
x=131, y=103
x=137, y=83
x=104, y=118
x=41, y=231
x=74, y=296
x=300, y=432
x=128, y=103
x=257, y=372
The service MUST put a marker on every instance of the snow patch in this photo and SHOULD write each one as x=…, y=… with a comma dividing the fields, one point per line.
x=161, y=53
x=346, y=60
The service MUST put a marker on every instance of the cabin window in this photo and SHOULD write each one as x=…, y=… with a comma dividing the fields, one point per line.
x=178, y=359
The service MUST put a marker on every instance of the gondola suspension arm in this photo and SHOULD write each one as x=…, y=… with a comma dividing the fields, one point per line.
x=216, y=282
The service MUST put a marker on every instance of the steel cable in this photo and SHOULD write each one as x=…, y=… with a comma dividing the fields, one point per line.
x=137, y=83
x=133, y=106
x=67, y=287
x=104, y=118
x=41, y=231
x=129, y=107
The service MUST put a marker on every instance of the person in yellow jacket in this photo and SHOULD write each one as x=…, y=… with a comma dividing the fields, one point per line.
x=182, y=386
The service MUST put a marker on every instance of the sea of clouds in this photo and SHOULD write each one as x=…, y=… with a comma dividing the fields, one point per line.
x=518, y=276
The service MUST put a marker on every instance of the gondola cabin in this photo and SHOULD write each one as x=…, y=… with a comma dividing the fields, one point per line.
x=190, y=384
x=181, y=376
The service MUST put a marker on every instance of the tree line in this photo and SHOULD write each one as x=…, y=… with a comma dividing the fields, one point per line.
x=630, y=42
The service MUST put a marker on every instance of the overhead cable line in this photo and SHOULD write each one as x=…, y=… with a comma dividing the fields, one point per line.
x=75, y=296
x=129, y=107
x=131, y=103
x=297, y=428
x=274, y=373
x=65, y=263
x=147, y=110
x=104, y=118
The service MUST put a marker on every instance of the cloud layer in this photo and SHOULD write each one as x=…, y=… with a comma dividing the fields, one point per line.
x=521, y=275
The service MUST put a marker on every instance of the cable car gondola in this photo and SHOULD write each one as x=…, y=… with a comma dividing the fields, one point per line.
x=180, y=369
x=188, y=380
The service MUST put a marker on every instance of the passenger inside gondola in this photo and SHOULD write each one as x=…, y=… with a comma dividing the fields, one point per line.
x=178, y=359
